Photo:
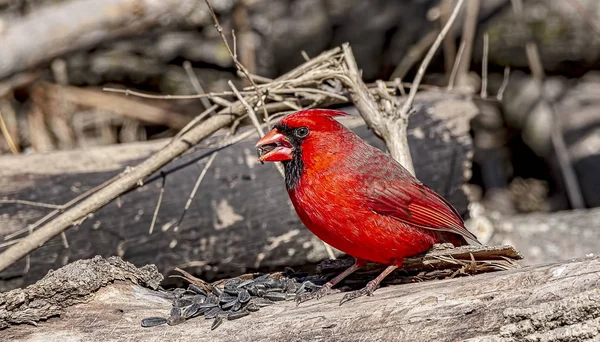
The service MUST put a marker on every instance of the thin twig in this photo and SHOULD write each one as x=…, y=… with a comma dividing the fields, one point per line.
x=187, y=66
x=305, y=55
x=254, y=120
x=62, y=208
x=196, y=120
x=504, y=84
x=404, y=112
x=31, y=203
x=414, y=54
x=64, y=240
x=249, y=109
x=468, y=36
x=195, y=189
x=484, y=66
x=449, y=47
x=10, y=243
x=7, y=137
x=237, y=63
x=452, y=79
x=158, y=203
x=533, y=56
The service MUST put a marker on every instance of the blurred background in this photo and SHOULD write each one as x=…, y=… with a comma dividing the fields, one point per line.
x=534, y=179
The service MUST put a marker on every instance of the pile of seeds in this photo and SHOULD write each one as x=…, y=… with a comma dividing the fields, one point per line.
x=237, y=298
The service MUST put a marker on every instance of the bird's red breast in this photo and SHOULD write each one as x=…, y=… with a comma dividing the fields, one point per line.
x=355, y=197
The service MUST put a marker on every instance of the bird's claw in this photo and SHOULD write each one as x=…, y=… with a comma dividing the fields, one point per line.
x=318, y=294
x=367, y=290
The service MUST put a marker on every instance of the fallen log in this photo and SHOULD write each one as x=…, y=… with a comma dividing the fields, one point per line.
x=550, y=237
x=554, y=302
x=76, y=25
x=241, y=218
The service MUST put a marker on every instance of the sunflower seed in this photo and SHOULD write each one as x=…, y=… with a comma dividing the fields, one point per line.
x=235, y=315
x=197, y=289
x=244, y=296
x=216, y=322
x=212, y=313
x=277, y=296
x=153, y=321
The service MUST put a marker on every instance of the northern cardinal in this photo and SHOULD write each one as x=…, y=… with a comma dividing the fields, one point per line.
x=355, y=197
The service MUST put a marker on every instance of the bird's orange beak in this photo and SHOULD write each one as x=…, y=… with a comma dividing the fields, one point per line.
x=274, y=147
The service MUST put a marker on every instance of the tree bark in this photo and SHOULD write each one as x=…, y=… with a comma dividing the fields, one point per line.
x=554, y=302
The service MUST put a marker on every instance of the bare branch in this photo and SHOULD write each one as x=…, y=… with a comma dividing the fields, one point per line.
x=404, y=112
x=452, y=78
x=7, y=137
x=195, y=189
x=238, y=65
x=504, y=83
x=484, y=65
x=32, y=203
x=158, y=204
x=468, y=36
x=187, y=66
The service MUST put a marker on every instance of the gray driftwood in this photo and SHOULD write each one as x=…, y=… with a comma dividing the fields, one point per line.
x=241, y=218
x=75, y=25
x=549, y=237
x=555, y=302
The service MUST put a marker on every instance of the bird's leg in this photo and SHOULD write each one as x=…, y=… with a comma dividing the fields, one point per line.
x=371, y=286
x=326, y=288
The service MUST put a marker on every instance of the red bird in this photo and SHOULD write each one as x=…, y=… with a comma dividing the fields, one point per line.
x=355, y=197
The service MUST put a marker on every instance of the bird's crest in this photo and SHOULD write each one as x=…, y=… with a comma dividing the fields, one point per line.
x=319, y=112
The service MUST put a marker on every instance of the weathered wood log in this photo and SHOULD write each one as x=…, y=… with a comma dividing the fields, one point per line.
x=554, y=302
x=241, y=218
x=550, y=237
x=89, y=22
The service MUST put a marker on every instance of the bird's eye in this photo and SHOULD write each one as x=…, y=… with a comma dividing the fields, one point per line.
x=301, y=132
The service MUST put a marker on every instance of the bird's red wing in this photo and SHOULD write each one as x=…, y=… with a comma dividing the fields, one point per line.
x=416, y=205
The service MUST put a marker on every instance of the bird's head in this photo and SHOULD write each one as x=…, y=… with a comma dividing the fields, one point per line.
x=303, y=135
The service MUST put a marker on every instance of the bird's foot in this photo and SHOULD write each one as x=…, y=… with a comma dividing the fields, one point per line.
x=367, y=290
x=318, y=294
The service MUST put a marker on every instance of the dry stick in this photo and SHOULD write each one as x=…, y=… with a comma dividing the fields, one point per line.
x=413, y=90
x=468, y=36
x=216, y=96
x=110, y=192
x=63, y=207
x=249, y=109
x=31, y=203
x=187, y=66
x=196, y=120
x=557, y=139
x=158, y=204
x=449, y=47
x=414, y=54
x=7, y=137
x=452, y=79
x=195, y=189
x=256, y=78
x=504, y=84
x=484, y=66
x=399, y=133
x=64, y=240
x=237, y=63
x=254, y=120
